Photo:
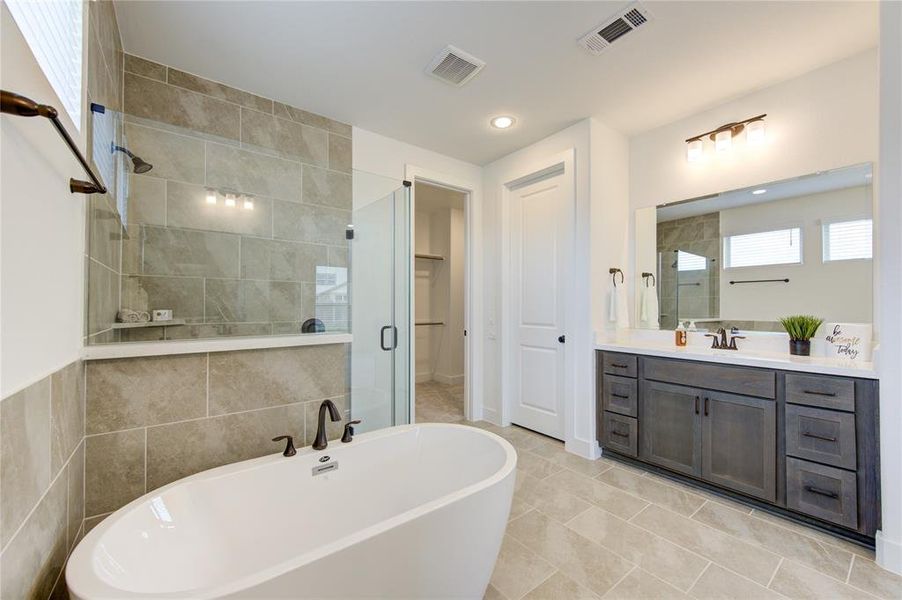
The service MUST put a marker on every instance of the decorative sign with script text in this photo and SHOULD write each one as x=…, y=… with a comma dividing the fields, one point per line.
x=850, y=341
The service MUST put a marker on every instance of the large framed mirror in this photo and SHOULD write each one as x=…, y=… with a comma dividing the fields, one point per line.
x=744, y=258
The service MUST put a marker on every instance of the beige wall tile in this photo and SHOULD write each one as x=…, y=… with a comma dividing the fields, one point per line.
x=75, y=474
x=339, y=153
x=334, y=429
x=750, y=561
x=576, y=557
x=136, y=392
x=177, y=106
x=217, y=330
x=146, y=200
x=170, y=251
x=145, y=68
x=236, y=301
x=609, y=498
x=279, y=260
x=328, y=188
x=34, y=558
x=308, y=144
x=184, y=295
x=173, y=156
x=25, y=456
x=302, y=116
x=187, y=207
x=103, y=297
x=338, y=257
x=305, y=223
x=253, y=173
x=674, y=498
x=288, y=301
x=717, y=583
x=105, y=231
x=181, y=449
x=518, y=570
x=868, y=576
x=662, y=558
x=260, y=378
x=67, y=413
x=218, y=90
x=114, y=470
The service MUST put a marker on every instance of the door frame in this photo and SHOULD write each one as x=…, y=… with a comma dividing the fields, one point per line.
x=472, y=308
x=553, y=165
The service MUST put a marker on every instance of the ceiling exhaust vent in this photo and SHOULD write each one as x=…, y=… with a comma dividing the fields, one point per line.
x=600, y=38
x=453, y=65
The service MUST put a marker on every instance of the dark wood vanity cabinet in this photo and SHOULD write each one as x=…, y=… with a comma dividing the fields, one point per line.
x=802, y=444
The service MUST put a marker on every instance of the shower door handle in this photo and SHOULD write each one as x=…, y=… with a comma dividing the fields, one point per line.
x=394, y=336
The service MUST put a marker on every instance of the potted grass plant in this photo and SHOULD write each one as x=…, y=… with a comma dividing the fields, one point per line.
x=801, y=328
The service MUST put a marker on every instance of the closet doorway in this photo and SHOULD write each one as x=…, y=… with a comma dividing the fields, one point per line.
x=439, y=303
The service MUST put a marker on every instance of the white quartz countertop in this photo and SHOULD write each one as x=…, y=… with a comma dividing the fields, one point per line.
x=770, y=360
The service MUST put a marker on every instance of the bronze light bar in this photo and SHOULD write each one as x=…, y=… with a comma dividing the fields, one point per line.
x=735, y=127
x=21, y=106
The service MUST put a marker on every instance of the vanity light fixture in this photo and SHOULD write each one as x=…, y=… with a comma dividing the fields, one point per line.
x=248, y=203
x=230, y=200
x=211, y=197
x=503, y=122
x=723, y=137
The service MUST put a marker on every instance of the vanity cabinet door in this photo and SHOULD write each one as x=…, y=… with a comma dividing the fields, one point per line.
x=739, y=443
x=669, y=426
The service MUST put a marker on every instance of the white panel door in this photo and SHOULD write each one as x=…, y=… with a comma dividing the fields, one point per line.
x=540, y=234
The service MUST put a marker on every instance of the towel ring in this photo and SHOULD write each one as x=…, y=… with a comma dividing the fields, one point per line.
x=613, y=271
x=645, y=276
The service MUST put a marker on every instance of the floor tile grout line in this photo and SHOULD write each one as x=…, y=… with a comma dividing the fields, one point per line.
x=851, y=566
x=705, y=570
x=774, y=574
x=695, y=512
x=536, y=586
x=619, y=581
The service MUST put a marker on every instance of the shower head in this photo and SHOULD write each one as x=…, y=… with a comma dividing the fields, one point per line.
x=139, y=165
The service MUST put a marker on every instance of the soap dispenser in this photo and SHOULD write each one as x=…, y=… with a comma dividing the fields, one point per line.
x=680, y=335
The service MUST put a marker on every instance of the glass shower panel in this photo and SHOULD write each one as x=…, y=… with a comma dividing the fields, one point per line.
x=380, y=307
x=689, y=284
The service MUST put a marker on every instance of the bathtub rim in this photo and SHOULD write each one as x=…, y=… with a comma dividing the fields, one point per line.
x=94, y=586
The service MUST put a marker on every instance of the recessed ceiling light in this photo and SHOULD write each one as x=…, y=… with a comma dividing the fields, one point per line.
x=759, y=192
x=503, y=122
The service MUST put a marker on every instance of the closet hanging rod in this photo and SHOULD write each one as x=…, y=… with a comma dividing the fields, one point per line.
x=20, y=106
x=429, y=256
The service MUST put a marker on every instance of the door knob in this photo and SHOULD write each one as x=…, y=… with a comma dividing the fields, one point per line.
x=562, y=338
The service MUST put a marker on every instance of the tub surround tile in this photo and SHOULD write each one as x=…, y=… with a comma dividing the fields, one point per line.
x=302, y=142
x=169, y=251
x=236, y=300
x=127, y=393
x=186, y=207
x=174, y=156
x=307, y=223
x=218, y=90
x=308, y=118
x=181, y=449
x=282, y=261
x=25, y=456
x=251, y=379
x=146, y=200
x=114, y=470
x=145, y=68
x=184, y=295
x=252, y=172
x=75, y=477
x=328, y=188
x=213, y=330
x=339, y=153
x=518, y=570
x=67, y=413
x=103, y=297
x=153, y=99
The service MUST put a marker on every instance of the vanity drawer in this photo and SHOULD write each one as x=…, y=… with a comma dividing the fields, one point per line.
x=824, y=436
x=822, y=391
x=736, y=380
x=620, y=364
x=823, y=492
x=621, y=434
x=620, y=395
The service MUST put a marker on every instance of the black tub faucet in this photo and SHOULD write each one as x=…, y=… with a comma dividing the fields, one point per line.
x=320, y=442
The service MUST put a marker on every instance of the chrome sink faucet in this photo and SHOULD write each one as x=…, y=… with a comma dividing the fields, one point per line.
x=719, y=339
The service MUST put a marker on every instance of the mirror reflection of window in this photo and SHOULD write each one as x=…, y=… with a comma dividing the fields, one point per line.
x=848, y=240
x=781, y=247
x=332, y=305
x=687, y=261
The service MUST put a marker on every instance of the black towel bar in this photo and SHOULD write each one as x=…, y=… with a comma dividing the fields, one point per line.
x=786, y=280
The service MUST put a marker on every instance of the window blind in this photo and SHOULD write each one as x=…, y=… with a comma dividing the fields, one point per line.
x=53, y=31
x=780, y=247
x=687, y=261
x=848, y=240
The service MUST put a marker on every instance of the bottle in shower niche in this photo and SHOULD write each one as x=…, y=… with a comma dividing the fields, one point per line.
x=680, y=336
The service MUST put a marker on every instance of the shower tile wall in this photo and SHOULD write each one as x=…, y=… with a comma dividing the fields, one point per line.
x=699, y=235
x=228, y=270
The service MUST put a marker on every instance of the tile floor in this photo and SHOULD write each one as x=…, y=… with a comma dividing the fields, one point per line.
x=584, y=529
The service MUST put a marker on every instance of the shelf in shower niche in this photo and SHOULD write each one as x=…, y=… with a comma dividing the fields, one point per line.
x=429, y=256
x=148, y=324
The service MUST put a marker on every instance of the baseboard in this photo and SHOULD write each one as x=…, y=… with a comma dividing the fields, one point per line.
x=448, y=379
x=889, y=553
x=490, y=415
x=585, y=448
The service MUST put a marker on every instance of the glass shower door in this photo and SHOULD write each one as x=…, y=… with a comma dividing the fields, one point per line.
x=380, y=302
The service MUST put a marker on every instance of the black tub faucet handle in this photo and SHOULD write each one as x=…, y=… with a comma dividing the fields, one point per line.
x=289, y=447
x=348, y=435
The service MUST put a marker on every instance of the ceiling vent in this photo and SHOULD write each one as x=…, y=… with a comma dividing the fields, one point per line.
x=600, y=38
x=453, y=65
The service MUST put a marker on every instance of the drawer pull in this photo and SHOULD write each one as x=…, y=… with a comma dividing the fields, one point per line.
x=617, y=433
x=820, y=492
x=621, y=396
x=826, y=438
x=696, y=405
x=620, y=366
x=813, y=393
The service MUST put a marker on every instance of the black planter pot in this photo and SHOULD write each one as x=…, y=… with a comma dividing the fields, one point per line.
x=800, y=347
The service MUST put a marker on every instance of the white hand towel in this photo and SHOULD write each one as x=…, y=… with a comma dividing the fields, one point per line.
x=623, y=312
x=643, y=306
x=612, y=305
x=651, y=307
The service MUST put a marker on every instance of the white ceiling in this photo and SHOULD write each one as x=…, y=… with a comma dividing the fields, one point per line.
x=363, y=62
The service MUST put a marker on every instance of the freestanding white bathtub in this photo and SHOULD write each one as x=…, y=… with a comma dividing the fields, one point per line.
x=416, y=511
